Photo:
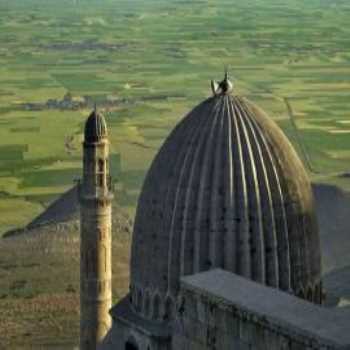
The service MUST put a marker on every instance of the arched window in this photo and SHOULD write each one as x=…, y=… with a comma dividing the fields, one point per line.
x=156, y=306
x=131, y=345
x=101, y=165
x=100, y=180
x=168, y=309
x=318, y=293
x=139, y=301
x=102, y=233
x=301, y=293
x=310, y=294
x=133, y=295
x=147, y=305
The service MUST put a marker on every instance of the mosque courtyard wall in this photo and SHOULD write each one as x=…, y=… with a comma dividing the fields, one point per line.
x=224, y=311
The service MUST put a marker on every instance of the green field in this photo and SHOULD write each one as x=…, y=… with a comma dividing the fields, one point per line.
x=146, y=63
x=156, y=58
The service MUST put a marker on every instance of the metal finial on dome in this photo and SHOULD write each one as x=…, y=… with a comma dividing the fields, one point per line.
x=224, y=87
x=226, y=73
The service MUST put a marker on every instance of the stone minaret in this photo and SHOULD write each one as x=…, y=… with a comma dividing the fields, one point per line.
x=95, y=221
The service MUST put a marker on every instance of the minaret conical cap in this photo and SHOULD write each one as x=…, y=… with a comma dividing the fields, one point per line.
x=95, y=127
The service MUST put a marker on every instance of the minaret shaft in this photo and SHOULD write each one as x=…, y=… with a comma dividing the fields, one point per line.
x=95, y=249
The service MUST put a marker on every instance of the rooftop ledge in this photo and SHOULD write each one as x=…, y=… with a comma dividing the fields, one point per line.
x=283, y=310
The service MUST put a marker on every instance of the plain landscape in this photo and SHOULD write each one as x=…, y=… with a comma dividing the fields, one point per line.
x=146, y=64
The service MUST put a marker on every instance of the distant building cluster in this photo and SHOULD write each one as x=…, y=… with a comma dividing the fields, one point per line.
x=70, y=102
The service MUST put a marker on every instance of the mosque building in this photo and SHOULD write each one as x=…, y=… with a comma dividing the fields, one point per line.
x=225, y=249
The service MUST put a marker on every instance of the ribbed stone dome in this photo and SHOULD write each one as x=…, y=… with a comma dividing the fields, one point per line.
x=226, y=190
x=95, y=127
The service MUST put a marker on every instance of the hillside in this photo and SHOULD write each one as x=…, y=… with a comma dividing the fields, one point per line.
x=64, y=209
x=63, y=212
x=39, y=277
x=39, y=268
x=332, y=206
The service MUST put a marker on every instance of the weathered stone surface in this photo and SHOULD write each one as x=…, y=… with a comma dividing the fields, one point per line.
x=266, y=317
x=96, y=225
x=128, y=326
x=226, y=190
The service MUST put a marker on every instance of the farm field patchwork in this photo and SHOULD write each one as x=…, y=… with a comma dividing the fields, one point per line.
x=154, y=60
x=145, y=64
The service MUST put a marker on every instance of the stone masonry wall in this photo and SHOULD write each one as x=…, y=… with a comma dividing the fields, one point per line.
x=204, y=324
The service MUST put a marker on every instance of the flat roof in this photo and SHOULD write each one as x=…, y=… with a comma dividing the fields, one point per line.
x=331, y=325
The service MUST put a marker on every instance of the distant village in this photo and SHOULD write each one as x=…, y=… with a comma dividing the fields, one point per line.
x=70, y=102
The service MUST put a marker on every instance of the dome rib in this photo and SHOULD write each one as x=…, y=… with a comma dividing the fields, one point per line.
x=172, y=191
x=148, y=199
x=193, y=161
x=243, y=262
x=202, y=215
x=277, y=202
x=266, y=221
x=212, y=221
x=214, y=181
x=230, y=204
x=180, y=162
x=217, y=216
x=270, y=252
x=174, y=213
x=223, y=192
x=256, y=231
x=188, y=224
x=179, y=214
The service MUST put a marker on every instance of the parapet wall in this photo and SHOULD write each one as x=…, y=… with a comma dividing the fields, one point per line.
x=224, y=311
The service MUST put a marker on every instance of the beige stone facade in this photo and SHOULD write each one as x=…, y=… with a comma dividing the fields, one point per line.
x=95, y=250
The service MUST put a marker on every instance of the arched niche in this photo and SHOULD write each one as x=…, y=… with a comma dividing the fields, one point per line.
x=139, y=301
x=101, y=233
x=131, y=344
x=103, y=257
x=310, y=294
x=156, y=307
x=147, y=308
x=100, y=165
x=169, y=308
x=100, y=172
x=301, y=293
x=319, y=294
